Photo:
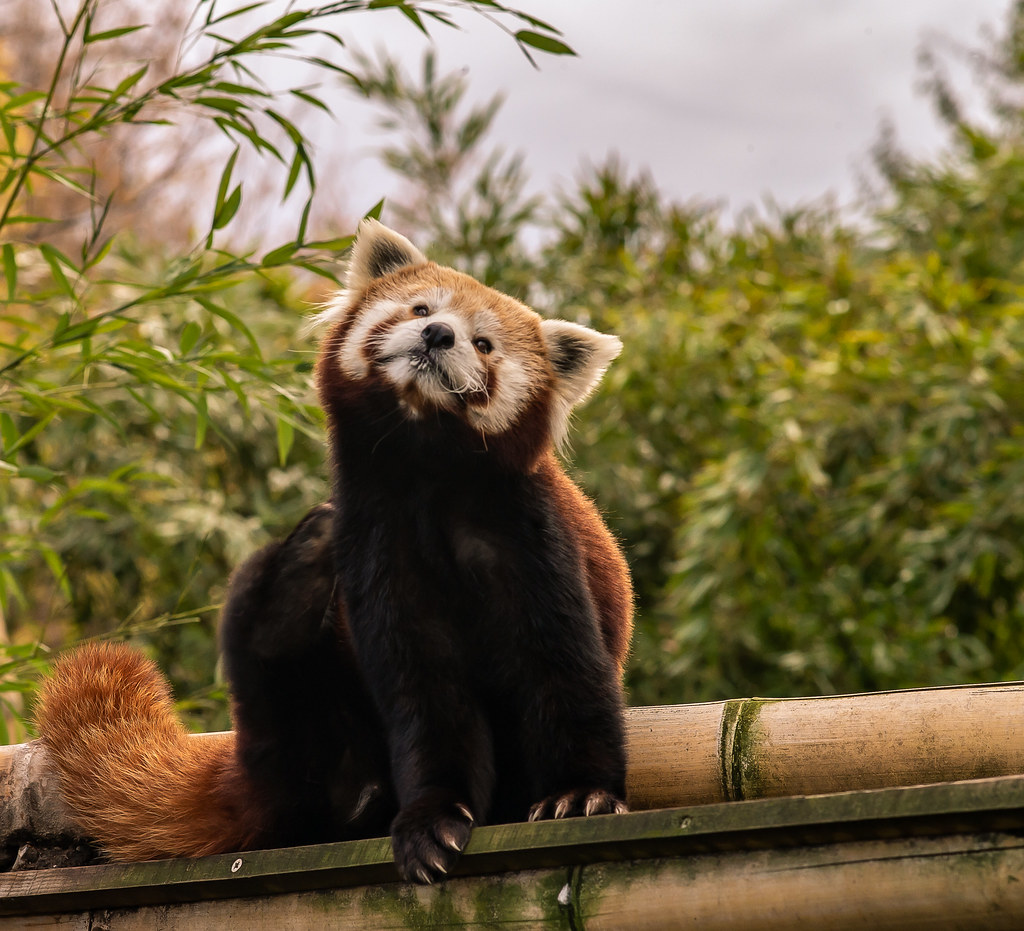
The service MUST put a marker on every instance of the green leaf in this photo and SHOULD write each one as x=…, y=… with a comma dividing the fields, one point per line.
x=56, y=259
x=10, y=271
x=288, y=126
x=332, y=245
x=227, y=87
x=89, y=38
x=233, y=320
x=38, y=473
x=28, y=97
x=225, y=177
x=543, y=43
x=331, y=66
x=224, y=104
x=202, y=420
x=321, y=272
x=414, y=17
x=129, y=82
x=9, y=434
x=53, y=561
x=298, y=161
x=233, y=13
x=228, y=209
x=189, y=337
x=285, y=439
x=280, y=255
x=310, y=99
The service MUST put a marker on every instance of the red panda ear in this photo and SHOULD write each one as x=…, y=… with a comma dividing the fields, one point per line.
x=579, y=357
x=376, y=252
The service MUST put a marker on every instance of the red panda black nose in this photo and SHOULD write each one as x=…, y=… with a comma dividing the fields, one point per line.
x=438, y=336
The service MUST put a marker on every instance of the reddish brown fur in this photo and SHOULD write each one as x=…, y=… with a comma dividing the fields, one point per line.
x=138, y=784
x=606, y=567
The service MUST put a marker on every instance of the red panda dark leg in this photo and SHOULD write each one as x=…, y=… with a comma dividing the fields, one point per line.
x=307, y=736
x=572, y=738
x=440, y=742
x=582, y=770
x=443, y=770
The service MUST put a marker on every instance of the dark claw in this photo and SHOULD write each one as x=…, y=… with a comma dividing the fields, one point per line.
x=428, y=837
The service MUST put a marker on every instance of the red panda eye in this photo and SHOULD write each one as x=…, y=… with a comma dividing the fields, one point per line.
x=483, y=345
x=421, y=310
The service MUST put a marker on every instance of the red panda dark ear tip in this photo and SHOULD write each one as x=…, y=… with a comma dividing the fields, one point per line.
x=378, y=251
x=579, y=357
x=577, y=353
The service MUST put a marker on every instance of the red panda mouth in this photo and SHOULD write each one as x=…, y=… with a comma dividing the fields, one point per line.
x=426, y=364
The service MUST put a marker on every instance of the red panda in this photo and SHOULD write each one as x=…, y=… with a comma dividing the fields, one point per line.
x=441, y=645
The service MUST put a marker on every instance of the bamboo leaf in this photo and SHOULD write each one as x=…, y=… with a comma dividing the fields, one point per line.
x=233, y=320
x=280, y=255
x=228, y=209
x=202, y=420
x=543, y=43
x=10, y=270
x=332, y=245
x=224, y=104
x=413, y=16
x=89, y=38
x=189, y=337
x=57, y=568
x=231, y=14
x=8, y=433
x=226, y=87
x=285, y=438
x=129, y=82
x=38, y=473
x=293, y=174
x=55, y=259
x=310, y=99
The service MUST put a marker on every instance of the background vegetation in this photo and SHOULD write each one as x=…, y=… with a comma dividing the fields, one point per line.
x=810, y=446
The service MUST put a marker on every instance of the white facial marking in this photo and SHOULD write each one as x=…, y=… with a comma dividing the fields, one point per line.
x=512, y=392
x=441, y=377
x=352, y=356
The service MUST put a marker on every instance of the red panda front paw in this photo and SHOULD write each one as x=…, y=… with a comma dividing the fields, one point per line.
x=428, y=837
x=578, y=802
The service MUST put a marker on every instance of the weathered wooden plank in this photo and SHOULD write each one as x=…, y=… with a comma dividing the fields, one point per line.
x=968, y=883
x=526, y=901
x=952, y=882
x=983, y=805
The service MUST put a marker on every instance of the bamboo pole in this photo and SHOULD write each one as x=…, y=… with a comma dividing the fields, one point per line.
x=763, y=748
x=682, y=755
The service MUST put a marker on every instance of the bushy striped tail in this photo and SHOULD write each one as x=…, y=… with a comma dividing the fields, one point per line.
x=134, y=779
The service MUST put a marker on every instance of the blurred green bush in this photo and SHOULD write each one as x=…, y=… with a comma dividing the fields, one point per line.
x=811, y=446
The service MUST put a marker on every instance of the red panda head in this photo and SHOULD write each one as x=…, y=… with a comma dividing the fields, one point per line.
x=441, y=341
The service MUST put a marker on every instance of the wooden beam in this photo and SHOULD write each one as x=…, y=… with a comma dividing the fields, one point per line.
x=937, y=856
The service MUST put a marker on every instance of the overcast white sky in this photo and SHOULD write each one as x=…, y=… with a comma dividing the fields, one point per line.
x=727, y=101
